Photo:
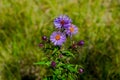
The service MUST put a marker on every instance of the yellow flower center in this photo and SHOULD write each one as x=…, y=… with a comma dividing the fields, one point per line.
x=57, y=37
x=71, y=29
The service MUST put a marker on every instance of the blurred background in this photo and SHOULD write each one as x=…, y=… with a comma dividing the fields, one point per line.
x=23, y=22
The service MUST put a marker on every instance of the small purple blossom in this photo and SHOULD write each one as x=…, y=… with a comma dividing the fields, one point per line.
x=81, y=43
x=40, y=45
x=57, y=38
x=71, y=30
x=80, y=70
x=53, y=64
x=44, y=38
x=62, y=21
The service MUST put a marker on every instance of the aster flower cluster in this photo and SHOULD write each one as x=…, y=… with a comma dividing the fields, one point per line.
x=65, y=28
x=61, y=60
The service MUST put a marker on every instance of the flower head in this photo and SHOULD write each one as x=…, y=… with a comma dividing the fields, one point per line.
x=57, y=38
x=53, y=64
x=62, y=21
x=71, y=30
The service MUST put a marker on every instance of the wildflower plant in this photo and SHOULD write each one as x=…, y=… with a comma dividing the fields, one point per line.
x=60, y=57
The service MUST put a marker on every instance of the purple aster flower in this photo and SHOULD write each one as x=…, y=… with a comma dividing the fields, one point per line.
x=57, y=38
x=71, y=30
x=62, y=21
x=53, y=64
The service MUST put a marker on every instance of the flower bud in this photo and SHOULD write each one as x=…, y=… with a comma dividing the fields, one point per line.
x=80, y=43
x=80, y=70
x=44, y=38
x=53, y=64
x=41, y=45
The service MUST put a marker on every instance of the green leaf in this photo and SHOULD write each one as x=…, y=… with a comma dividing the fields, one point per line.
x=54, y=51
x=71, y=68
x=63, y=77
x=67, y=53
x=60, y=64
x=45, y=79
x=48, y=63
x=70, y=76
x=54, y=77
x=42, y=63
x=57, y=72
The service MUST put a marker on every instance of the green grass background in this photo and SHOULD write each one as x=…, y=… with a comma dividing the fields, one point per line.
x=23, y=22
